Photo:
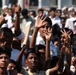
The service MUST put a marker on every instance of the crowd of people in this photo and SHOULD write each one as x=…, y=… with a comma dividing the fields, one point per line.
x=47, y=47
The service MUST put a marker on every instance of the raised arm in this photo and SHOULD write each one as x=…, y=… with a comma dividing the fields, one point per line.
x=52, y=70
x=48, y=35
x=67, y=50
x=17, y=23
x=38, y=24
x=19, y=59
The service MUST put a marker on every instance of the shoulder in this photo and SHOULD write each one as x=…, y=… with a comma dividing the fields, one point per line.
x=12, y=72
x=24, y=71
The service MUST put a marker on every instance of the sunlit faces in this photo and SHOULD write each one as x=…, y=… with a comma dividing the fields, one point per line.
x=32, y=61
x=44, y=28
x=4, y=60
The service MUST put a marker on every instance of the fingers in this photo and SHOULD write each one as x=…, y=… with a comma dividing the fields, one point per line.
x=42, y=17
x=50, y=30
x=64, y=31
x=61, y=31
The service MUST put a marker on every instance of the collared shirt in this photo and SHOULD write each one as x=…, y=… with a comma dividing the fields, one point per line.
x=56, y=20
x=53, y=50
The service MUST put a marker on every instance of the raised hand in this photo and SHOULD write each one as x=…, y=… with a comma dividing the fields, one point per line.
x=48, y=34
x=39, y=22
x=66, y=34
x=18, y=9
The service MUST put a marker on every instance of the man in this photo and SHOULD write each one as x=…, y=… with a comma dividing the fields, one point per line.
x=32, y=60
x=5, y=54
x=4, y=60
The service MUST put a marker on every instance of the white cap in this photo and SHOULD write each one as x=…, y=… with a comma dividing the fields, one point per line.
x=71, y=8
x=5, y=6
x=75, y=24
x=64, y=8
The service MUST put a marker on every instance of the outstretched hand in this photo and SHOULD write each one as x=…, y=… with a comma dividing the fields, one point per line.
x=48, y=34
x=39, y=22
x=18, y=9
x=66, y=34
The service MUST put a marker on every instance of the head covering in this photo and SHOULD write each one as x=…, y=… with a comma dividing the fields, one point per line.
x=71, y=8
x=5, y=6
x=64, y=8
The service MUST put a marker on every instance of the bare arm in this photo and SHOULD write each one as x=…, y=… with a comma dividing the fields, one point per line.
x=38, y=24
x=33, y=39
x=48, y=35
x=49, y=71
x=67, y=50
x=19, y=59
x=17, y=23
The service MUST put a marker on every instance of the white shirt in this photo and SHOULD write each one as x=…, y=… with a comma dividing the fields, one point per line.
x=56, y=20
x=69, y=23
x=53, y=50
x=9, y=22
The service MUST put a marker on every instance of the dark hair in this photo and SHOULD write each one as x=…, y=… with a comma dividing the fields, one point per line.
x=40, y=46
x=55, y=38
x=56, y=30
x=5, y=50
x=64, y=18
x=74, y=49
x=54, y=61
x=73, y=39
x=40, y=10
x=34, y=12
x=12, y=61
x=24, y=12
x=52, y=9
x=58, y=10
x=31, y=50
x=74, y=44
x=5, y=29
x=13, y=4
x=49, y=21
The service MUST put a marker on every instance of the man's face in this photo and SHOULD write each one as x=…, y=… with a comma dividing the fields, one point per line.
x=58, y=13
x=52, y=13
x=44, y=28
x=4, y=60
x=32, y=61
